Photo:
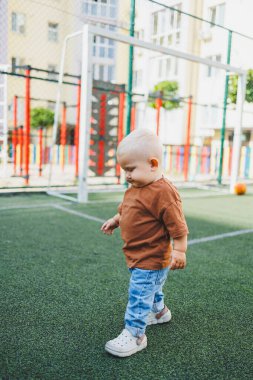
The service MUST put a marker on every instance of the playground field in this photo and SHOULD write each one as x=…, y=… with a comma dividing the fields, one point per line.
x=64, y=291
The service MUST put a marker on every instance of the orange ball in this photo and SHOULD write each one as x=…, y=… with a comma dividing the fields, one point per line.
x=240, y=188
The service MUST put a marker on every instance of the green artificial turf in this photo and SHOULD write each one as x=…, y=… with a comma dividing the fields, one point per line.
x=64, y=291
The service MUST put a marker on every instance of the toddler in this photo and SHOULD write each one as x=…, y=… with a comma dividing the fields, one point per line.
x=149, y=217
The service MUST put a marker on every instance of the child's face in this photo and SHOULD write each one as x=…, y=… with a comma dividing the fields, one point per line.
x=139, y=171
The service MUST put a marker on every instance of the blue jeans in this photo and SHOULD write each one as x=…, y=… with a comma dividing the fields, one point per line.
x=145, y=295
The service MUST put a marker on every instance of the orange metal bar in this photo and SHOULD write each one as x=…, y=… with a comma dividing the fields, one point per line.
x=63, y=133
x=76, y=137
x=188, y=136
x=27, y=124
x=14, y=133
x=101, y=143
x=120, y=127
x=40, y=150
x=158, y=103
x=21, y=145
x=133, y=113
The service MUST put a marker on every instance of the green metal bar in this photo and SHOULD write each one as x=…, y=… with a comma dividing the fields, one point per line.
x=224, y=109
x=130, y=70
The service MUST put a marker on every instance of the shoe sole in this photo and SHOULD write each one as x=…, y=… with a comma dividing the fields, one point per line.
x=159, y=321
x=128, y=353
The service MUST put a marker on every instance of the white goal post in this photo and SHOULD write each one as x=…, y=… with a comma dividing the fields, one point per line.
x=88, y=32
x=3, y=121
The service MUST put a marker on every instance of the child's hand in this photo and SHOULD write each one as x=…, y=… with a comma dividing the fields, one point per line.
x=178, y=260
x=109, y=226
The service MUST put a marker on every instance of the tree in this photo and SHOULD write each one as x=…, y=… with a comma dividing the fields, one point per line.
x=168, y=92
x=41, y=118
x=232, y=88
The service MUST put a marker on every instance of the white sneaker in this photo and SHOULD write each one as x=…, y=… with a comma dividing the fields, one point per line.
x=163, y=317
x=126, y=344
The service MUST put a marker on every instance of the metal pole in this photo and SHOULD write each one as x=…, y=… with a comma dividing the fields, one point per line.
x=133, y=115
x=76, y=138
x=224, y=109
x=158, y=104
x=130, y=69
x=14, y=136
x=21, y=148
x=241, y=89
x=120, y=127
x=58, y=99
x=27, y=125
x=101, y=133
x=63, y=137
x=85, y=115
x=40, y=150
x=187, y=142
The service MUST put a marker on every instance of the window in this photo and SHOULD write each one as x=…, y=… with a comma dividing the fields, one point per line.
x=160, y=68
x=212, y=13
x=165, y=68
x=168, y=67
x=18, y=22
x=103, y=47
x=52, y=75
x=137, y=78
x=155, y=23
x=175, y=66
x=166, y=25
x=210, y=115
x=100, y=8
x=17, y=61
x=211, y=71
x=177, y=38
x=112, y=12
x=110, y=73
x=94, y=9
x=101, y=52
x=170, y=39
x=103, y=72
x=110, y=52
x=217, y=14
x=53, y=32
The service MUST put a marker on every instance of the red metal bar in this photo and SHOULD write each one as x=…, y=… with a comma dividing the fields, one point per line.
x=158, y=103
x=120, y=127
x=21, y=145
x=76, y=137
x=63, y=133
x=187, y=142
x=101, y=143
x=40, y=150
x=27, y=124
x=14, y=133
x=133, y=114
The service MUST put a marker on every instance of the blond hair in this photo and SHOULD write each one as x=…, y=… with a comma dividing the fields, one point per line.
x=141, y=142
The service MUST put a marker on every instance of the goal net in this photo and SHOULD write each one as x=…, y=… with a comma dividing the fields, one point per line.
x=181, y=115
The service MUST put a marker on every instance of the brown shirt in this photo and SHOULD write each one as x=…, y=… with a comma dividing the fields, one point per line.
x=149, y=217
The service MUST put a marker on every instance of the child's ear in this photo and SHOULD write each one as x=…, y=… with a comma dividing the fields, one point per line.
x=154, y=163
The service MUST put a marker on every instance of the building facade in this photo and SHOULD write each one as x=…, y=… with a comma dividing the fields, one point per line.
x=169, y=28
x=175, y=28
x=211, y=82
x=33, y=34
